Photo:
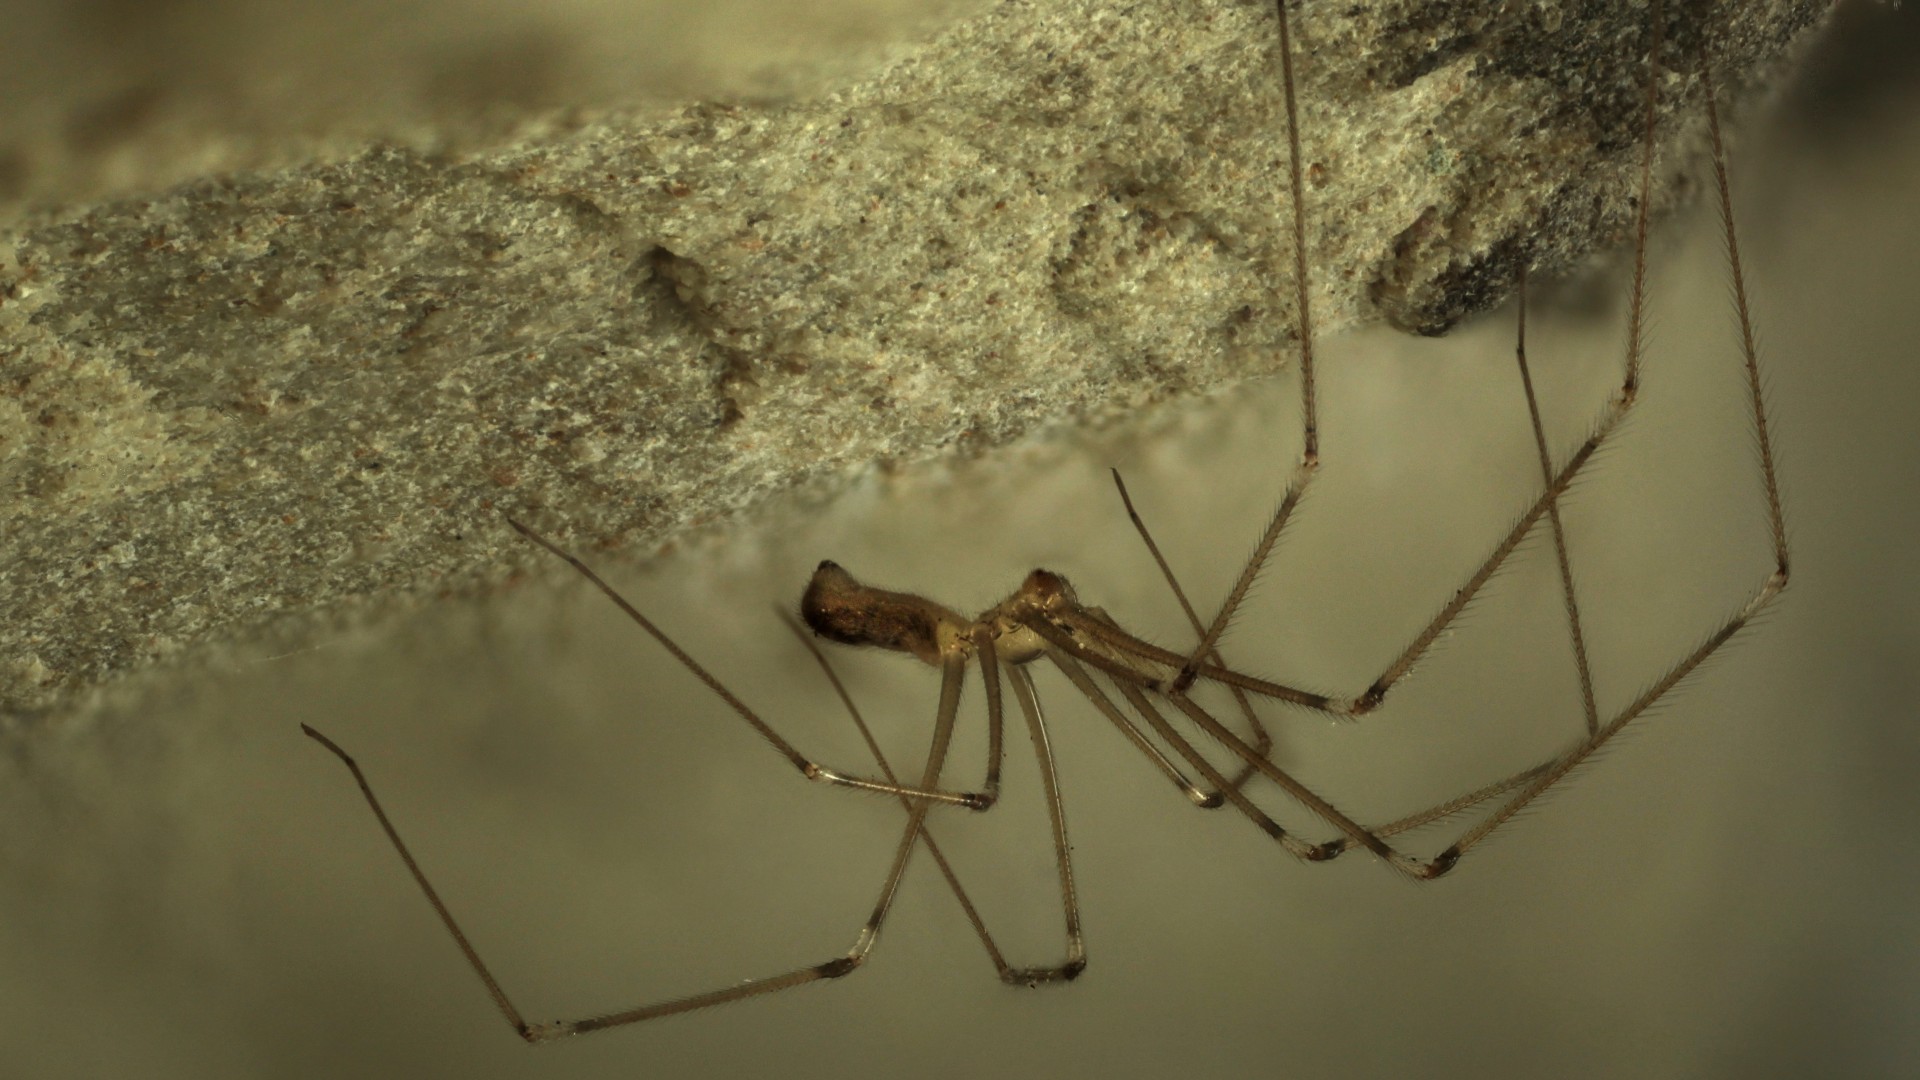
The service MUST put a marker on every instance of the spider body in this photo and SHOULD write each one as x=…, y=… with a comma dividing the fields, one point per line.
x=1142, y=689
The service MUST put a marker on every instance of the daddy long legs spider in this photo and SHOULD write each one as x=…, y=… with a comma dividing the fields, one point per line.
x=1147, y=692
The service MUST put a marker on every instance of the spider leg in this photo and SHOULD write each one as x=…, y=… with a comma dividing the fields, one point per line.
x=1309, y=464
x=1063, y=655
x=1262, y=741
x=1190, y=669
x=1480, y=795
x=1528, y=785
x=953, y=675
x=1567, y=592
x=1622, y=400
x=1769, y=589
x=886, y=769
x=1068, y=661
x=1076, y=961
x=982, y=638
x=1202, y=661
x=1135, y=686
x=812, y=770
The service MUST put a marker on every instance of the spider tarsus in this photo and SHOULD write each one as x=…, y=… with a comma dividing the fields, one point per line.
x=539, y=1033
x=315, y=735
x=1362, y=705
x=1442, y=863
x=834, y=969
x=1211, y=800
x=1035, y=978
x=1332, y=849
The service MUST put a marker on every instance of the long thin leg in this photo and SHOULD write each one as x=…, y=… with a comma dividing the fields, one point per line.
x=1122, y=643
x=1185, y=748
x=1617, y=408
x=1304, y=472
x=1127, y=727
x=1134, y=686
x=990, y=679
x=1023, y=690
x=1460, y=803
x=1136, y=681
x=1480, y=795
x=1195, y=664
x=1262, y=741
x=1068, y=651
x=1066, y=659
x=1133, y=689
x=1587, y=701
x=1533, y=782
x=1622, y=400
x=953, y=675
x=1776, y=580
x=1313, y=852
x=1007, y=973
x=1076, y=961
x=973, y=800
x=1749, y=352
x=420, y=878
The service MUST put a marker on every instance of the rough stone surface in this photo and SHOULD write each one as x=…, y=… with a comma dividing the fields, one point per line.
x=264, y=396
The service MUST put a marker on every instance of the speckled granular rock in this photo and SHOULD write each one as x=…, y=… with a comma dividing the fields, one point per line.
x=263, y=396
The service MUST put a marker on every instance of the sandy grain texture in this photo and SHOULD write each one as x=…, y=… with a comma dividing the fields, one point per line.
x=293, y=308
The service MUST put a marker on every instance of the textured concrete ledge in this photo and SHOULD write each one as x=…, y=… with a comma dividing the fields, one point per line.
x=262, y=397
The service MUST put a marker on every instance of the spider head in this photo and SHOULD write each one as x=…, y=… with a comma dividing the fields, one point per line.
x=1047, y=590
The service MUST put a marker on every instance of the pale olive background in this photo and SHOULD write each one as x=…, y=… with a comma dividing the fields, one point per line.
x=188, y=887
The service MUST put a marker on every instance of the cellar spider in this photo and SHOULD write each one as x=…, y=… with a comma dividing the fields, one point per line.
x=1045, y=620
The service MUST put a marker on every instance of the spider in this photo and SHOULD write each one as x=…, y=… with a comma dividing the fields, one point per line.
x=1138, y=686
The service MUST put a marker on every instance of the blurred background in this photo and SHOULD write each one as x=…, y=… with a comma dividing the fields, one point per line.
x=189, y=887
x=109, y=97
